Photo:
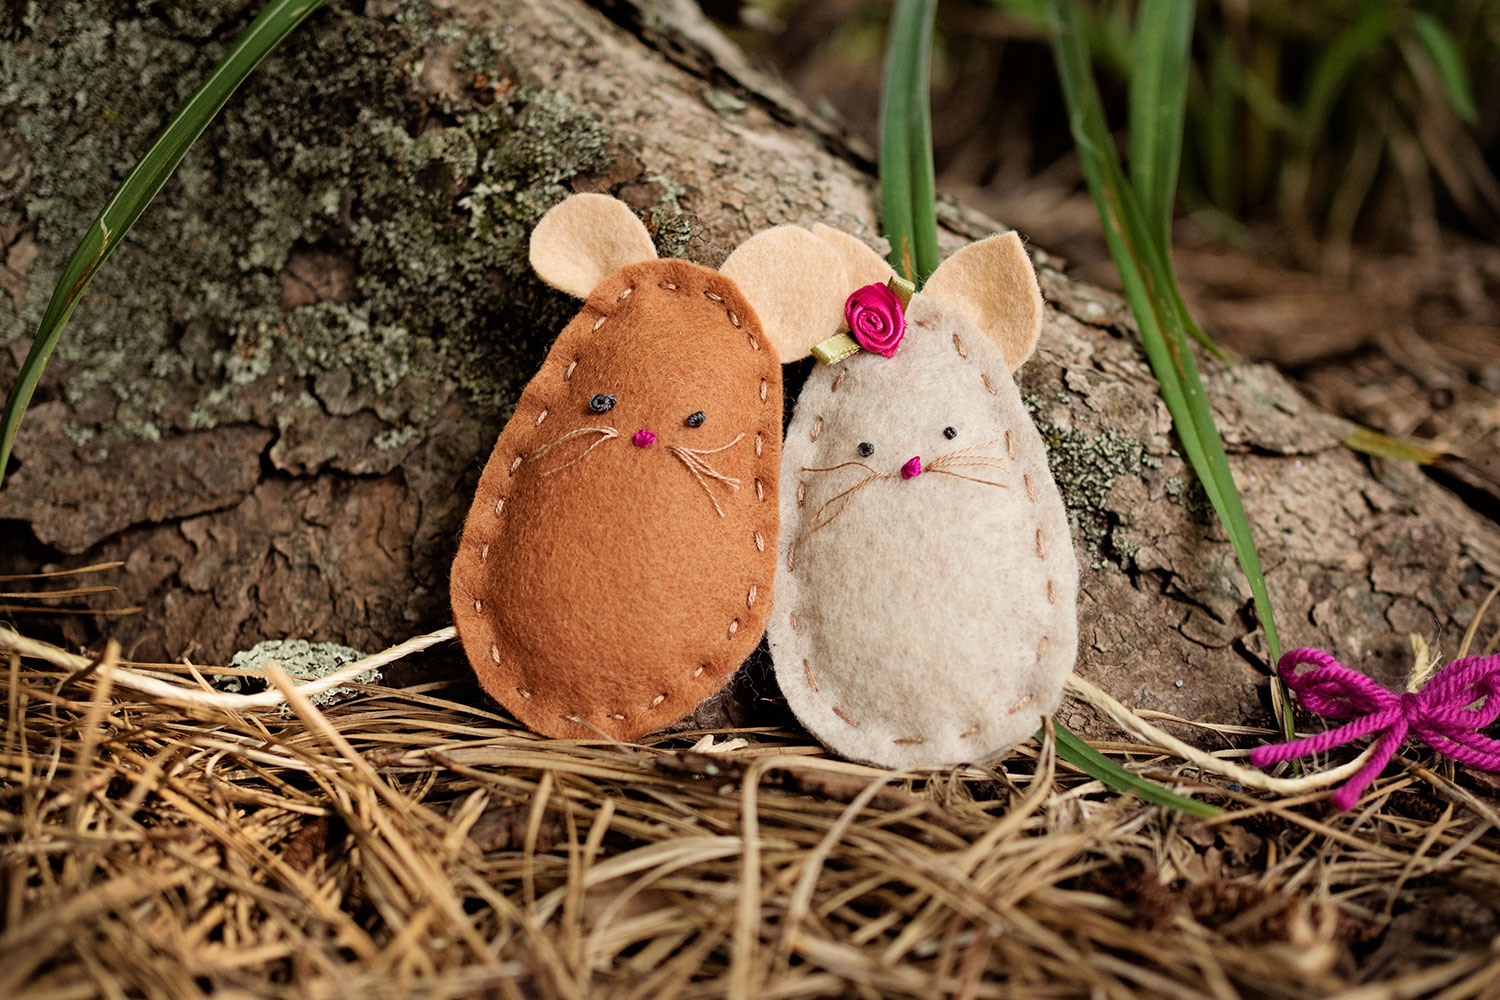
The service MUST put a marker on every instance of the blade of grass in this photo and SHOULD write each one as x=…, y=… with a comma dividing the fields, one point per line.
x=1146, y=276
x=1076, y=751
x=1337, y=63
x=907, y=185
x=1159, y=73
x=279, y=19
x=1450, y=65
x=1158, y=106
x=1372, y=442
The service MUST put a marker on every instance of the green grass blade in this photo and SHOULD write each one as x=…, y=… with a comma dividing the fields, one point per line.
x=1337, y=64
x=1450, y=65
x=1221, y=127
x=907, y=184
x=1159, y=73
x=1146, y=276
x=125, y=206
x=1372, y=442
x=1158, y=106
x=1074, y=750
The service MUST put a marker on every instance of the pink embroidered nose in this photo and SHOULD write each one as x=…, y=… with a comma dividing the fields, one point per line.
x=913, y=468
x=643, y=438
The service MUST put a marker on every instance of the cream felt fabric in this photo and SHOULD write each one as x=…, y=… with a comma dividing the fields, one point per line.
x=862, y=265
x=584, y=239
x=797, y=285
x=925, y=621
x=992, y=283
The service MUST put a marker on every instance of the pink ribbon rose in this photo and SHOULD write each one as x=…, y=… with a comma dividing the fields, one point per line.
x=875, y=319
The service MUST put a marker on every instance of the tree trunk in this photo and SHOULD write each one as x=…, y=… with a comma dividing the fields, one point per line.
x=275, y=402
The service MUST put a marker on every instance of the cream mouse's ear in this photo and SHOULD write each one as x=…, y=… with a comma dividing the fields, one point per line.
x=992, y=283
x=862, y=266
x=586, y=238
x=796, y=283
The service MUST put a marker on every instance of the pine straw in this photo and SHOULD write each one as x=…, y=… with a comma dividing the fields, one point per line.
x=408, y=844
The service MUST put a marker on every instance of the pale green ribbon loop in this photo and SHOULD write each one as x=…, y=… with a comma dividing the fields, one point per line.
x=903, y=290
x=835, y=349
x=841, y=345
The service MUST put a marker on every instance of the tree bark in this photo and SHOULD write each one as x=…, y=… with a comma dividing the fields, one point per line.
x=275, y=402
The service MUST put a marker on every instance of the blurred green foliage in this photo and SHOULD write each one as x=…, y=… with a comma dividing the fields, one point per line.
x=1333, y=117
x=1307, y=110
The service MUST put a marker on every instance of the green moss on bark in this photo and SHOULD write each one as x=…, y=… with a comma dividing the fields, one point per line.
x=1086, y=466
x=332, y=150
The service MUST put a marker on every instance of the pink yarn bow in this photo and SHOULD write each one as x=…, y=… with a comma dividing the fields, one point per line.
x=1438, y=714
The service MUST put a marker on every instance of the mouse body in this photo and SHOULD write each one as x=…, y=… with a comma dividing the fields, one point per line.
x=927, y=585
x=617, y=564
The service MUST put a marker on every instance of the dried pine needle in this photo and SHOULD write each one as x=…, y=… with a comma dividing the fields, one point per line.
x=406, y=844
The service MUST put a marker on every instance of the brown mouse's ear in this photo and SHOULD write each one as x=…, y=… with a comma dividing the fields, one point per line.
x=796, y=284
x=992, y=283
x=586, y=238
x=862, y=266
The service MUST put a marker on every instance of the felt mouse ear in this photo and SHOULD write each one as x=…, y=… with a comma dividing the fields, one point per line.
x=584, y=239
x=796, y=284
x=862, y=266
x=992, y=283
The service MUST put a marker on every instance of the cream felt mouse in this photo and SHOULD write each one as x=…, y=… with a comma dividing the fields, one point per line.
x=926, y=585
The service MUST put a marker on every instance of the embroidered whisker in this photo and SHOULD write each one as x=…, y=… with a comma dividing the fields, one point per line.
x=605, y=433
x=844, y=465
x=714, y=451
x=701, y=481
x=843, y=499
x=703, y=471
x=960, y=475
x=971, y=458
x=968, y=460
x=973, y=448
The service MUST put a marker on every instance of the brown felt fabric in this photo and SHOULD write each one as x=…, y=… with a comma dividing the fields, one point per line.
x=611, y=590
x=584, y=239
x=797, y=285
x=991, y=282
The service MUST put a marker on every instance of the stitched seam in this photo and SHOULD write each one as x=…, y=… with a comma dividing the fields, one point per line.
x=840, y=713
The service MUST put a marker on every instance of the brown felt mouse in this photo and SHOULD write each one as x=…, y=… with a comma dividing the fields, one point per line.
x=616, y=566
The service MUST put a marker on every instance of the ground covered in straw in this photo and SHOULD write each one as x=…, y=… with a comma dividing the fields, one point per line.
x=407, y=843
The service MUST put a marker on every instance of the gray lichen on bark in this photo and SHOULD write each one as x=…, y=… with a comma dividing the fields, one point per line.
x=275, y=401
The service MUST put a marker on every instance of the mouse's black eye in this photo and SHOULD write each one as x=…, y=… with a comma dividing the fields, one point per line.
x=865, y=449
x=601, y=402
x=696, y=419
x=950, y=433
